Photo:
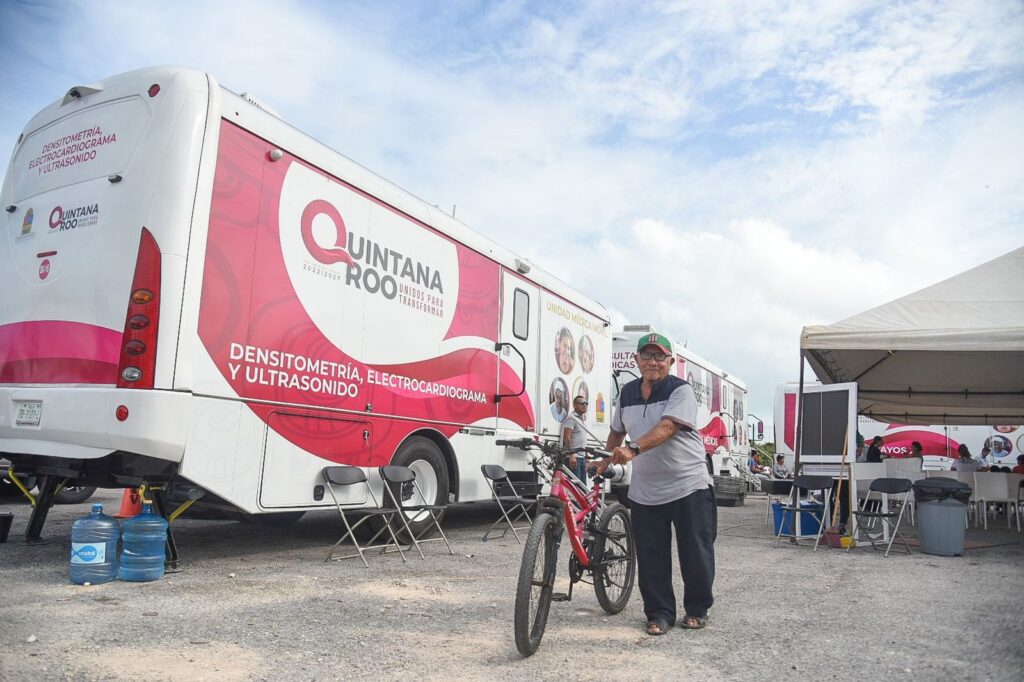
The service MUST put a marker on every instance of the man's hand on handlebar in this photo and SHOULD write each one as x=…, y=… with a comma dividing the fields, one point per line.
x=622, y=455
x=619, y=455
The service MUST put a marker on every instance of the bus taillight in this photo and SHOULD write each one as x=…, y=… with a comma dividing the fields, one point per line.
x=138, y=348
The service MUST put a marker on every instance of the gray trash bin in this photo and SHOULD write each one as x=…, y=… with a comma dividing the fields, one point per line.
x=942, y=510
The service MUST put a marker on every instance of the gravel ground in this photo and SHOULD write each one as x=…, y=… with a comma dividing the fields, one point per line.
x=256, y=603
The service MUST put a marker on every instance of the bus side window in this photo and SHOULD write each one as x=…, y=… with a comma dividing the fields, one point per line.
x=521, y=314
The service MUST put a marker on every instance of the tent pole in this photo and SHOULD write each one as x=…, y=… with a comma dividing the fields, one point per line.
x=799, y=419
x=795, y=496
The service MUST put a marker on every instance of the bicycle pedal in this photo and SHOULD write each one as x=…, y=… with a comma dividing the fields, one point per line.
x=560, y=596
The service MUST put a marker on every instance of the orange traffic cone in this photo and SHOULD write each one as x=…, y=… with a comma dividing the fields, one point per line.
x=131, y=504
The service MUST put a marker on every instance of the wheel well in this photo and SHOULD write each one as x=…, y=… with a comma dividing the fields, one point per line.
x=447, y=452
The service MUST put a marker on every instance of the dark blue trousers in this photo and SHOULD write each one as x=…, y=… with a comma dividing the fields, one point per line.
x=695, y=518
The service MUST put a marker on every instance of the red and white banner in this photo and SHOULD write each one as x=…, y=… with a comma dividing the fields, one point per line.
x=320, y=295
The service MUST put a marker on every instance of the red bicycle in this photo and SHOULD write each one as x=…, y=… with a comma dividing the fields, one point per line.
x=600, y=535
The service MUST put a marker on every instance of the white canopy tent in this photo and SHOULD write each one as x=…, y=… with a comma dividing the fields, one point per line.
x=951, y=353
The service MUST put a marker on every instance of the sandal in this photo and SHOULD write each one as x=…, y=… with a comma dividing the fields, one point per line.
x=693, y=622
x=656, y=629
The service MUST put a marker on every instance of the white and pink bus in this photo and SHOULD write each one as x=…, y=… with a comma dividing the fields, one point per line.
x=198, y=295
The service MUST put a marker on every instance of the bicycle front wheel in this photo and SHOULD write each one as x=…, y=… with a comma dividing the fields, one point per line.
x=536, y=582
x=615, y=557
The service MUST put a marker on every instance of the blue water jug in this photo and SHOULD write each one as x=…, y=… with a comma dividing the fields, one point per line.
x=142, y=555
x=94, y=548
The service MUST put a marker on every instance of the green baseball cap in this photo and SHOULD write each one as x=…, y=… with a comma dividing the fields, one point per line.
x=654, y=339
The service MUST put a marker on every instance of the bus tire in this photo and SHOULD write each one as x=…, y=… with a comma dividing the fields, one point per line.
x=425, y=459
x=74, y=494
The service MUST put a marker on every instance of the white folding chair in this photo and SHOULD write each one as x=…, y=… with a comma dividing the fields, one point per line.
x=869, y=471
x=909, y=464
x=994, y=488
x=913, y=477
x=968, y=478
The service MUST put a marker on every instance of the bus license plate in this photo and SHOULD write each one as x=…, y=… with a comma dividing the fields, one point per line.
x=28, y=412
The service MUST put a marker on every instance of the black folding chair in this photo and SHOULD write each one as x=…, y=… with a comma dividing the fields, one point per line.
x=806, y=483
x=399, y=487
x=343, y=477
x=498, y=480
x=873, y=519
x=775, y=489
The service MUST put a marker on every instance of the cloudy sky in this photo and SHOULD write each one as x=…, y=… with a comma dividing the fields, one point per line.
x=728, y=172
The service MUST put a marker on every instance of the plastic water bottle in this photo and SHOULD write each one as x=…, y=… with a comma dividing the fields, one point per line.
x=142, y=557
x=94, y=548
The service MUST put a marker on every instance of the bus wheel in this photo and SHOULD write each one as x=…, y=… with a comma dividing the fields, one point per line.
x=74, y=494
x=424, y=458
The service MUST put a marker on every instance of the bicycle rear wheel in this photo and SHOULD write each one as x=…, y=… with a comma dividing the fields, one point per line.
x=615, y=558
x=536, y=582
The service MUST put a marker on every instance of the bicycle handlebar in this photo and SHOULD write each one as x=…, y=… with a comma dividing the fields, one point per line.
x=552, y=448
x=593, y=453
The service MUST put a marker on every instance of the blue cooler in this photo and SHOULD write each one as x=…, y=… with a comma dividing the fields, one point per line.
x=810, y=520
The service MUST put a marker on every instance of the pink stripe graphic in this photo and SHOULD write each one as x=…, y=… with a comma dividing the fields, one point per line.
x=58, y=371
x=55, y=352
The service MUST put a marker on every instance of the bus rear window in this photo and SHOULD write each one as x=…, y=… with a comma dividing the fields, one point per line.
x=91, y=143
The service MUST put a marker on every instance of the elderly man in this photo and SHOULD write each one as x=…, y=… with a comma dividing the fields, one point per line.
x=670, y=487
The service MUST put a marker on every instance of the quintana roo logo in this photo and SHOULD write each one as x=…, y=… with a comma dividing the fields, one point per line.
x=328, y=256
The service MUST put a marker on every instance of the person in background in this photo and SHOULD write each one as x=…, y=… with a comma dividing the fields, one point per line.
x=780, y=470
x=1019, y=469
x=966, y=462
x=916, y=449
x=574, y=435
x=756, y=467
x=874, y=453
x=860, y=447
x=985, y=458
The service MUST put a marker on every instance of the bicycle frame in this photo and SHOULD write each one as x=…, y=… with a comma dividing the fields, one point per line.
x=576, y=507
x=568, y=497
